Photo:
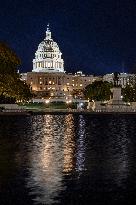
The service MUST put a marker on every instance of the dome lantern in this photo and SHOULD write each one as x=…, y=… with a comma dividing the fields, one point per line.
x=48, y=33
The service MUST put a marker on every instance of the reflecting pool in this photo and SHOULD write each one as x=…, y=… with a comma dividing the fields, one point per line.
x=67, y=159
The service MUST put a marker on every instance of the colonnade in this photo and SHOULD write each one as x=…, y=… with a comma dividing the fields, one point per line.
x=47, y=64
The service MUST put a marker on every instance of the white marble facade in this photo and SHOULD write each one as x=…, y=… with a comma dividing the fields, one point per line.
x=48, y=57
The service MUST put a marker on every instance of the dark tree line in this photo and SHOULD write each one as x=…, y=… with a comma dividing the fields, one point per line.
x=98, y=91
x=11, y=87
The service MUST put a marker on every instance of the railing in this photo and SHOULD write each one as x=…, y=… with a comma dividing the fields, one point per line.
x=115, y=110
x=131, y=110
x=14, y=110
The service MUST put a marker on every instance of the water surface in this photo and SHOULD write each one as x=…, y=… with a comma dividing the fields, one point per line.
x=67, y=159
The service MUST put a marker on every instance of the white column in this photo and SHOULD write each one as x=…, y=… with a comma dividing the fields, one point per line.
x=53, y=64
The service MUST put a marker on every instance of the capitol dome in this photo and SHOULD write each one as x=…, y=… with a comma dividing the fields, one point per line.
x=48, y=57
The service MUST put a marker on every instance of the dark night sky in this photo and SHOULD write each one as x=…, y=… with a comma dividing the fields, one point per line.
x=95, y=36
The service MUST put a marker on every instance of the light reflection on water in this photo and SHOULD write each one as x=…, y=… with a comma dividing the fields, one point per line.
x=69, y=144
x=51, y=156
x=80, y=166
x=67, y=159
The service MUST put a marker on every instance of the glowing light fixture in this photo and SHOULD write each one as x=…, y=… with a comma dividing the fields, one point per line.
x=47, y=101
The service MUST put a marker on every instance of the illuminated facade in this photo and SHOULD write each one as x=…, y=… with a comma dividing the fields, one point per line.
x=48, y=77
x=48, y=57
x=124, y=79
x=57, y=84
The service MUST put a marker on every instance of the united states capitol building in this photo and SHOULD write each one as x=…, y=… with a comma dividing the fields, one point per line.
x=49, y=77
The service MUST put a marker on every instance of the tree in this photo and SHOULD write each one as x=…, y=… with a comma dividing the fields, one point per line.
x=8, y=60
x=77, y=93
x=98, y=91
x=129, y=93
x=11, y=87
